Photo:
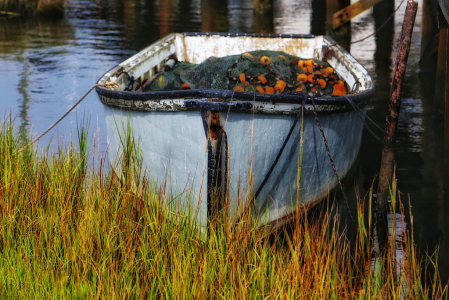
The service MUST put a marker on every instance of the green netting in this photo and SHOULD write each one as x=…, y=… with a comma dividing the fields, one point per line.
x=224, y=72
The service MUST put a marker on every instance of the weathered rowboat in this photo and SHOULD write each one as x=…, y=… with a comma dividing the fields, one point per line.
x=200, y=141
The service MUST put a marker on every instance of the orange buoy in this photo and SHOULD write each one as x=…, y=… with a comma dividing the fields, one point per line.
x=282, y=82
x=185, y=86
x=246, y=83
x=304, y=69
x=279, y=87
x=301, y=64
x=309, y=69
x=310, y=63
x=322, y=83
x=282, y=57
x=327, y=71
x=260, y=89
x=265, y=60
x=262, y=79
x=318, y=73
x=242, y=77
x=338, y=92
x=311, y=78
x=239, y=89
x=301, y=78
x=269, y=90
x=247, y=54
x=298, y=89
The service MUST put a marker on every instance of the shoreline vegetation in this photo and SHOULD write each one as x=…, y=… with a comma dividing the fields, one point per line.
x=73, y=231
x=33, y=7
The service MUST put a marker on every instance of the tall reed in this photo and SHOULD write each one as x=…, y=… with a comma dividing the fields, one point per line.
x=67, y=232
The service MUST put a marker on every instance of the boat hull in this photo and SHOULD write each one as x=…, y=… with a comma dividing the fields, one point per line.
x=181, y=133
x=174, y=152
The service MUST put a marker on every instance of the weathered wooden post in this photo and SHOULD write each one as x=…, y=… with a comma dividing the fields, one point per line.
x=387, y=163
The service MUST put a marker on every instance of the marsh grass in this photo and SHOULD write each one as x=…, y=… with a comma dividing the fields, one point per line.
x=67, y=232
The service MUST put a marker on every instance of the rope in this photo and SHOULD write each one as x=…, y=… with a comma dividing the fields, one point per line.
x=331, y=160
x=381, y=26
x=360, y=113
x=277, y=157
x=67, y=112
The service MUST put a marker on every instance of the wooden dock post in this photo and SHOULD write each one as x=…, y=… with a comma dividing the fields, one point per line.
x=387, y=163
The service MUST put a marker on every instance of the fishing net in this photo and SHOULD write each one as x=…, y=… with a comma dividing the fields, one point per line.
x=256, y=71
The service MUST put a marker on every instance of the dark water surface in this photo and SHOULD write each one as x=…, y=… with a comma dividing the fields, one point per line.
x=46, y=65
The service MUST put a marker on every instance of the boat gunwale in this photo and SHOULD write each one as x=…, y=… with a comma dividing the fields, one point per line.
x=247, y=99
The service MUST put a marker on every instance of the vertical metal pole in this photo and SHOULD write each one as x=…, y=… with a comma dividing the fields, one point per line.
x=387, y=164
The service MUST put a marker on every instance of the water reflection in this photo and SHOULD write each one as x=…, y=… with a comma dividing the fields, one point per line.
x=214, y=16
x=48, y=64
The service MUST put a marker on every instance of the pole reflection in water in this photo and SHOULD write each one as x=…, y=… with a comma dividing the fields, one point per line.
x=240, y=15
x=292, y=16
x=214, y=16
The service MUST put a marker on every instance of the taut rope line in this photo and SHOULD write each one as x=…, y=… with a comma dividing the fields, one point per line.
x=67, y=112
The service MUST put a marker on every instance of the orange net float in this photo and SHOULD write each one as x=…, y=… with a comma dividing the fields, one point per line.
x=338, y=92
x=279, y=87
x=269, y=90
x=242, y=77
x=310, y=63
x=301, y=64
x=311, y=78
x=282, y=82
x=239, y=89
x=298, y=89
x=265, y=60
x=322, y=83
x=262, y=79
x=301, y=78
x=260, y=89
x=185, y=86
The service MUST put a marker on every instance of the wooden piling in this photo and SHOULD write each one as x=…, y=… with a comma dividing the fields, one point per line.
x=387, y=163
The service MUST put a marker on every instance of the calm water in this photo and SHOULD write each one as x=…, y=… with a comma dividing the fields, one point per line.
x=46, y=65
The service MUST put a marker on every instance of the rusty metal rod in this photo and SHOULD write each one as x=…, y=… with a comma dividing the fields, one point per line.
x=387, y=163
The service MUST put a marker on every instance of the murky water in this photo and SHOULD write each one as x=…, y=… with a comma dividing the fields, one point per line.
x=46, y=65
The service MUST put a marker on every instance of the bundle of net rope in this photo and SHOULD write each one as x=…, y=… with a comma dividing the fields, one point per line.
x=256, y=71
